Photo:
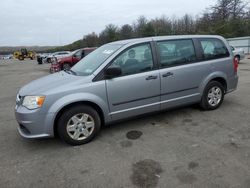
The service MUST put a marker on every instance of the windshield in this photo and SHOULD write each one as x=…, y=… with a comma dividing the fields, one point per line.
x=92, y=61
x=72, y=53
x=61, y=53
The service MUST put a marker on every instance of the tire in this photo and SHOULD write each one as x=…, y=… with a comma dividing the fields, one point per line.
x=51, y=70
x=210, y=100
x=65, y=66
x=48, y=60
x=69, y=125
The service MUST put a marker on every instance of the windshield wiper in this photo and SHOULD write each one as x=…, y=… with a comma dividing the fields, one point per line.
x=69, y=71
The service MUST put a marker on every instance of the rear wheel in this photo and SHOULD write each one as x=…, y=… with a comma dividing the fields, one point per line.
x=213, y=96
x=21, y=58
x=79, y=125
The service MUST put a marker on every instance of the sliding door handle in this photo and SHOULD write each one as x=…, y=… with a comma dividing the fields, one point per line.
x=168, y=74
x=151, y=77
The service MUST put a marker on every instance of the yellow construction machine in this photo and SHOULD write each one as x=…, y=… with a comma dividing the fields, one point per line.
x=24, y=53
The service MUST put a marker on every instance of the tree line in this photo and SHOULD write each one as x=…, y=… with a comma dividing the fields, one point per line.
x=229, y=18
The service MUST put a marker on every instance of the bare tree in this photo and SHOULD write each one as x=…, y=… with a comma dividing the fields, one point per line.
x=109, y=34
x=238, y=9
x=140, y=25
x=91, y=40
x=162, y=26
x=229, y=18
x=126, y=32
x=221, y=11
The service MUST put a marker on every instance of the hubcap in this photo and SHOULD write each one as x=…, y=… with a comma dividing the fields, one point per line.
x=80, y=126
x=214, y=96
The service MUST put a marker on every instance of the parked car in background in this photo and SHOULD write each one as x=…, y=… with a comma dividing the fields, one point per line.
x=41, y=57
x=10, y=56
x=56, y=55
x=127, y=78
x=70, y=60
x=239, y=53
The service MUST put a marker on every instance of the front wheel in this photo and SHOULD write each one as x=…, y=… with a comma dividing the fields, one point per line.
x=213, y=96
x=66, y=66
x=21, y=58
x=79, y=125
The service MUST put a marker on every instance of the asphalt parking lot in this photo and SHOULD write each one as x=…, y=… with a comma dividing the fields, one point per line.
x=184, y=147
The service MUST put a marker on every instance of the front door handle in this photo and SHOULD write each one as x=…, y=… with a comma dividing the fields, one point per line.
x=168, y=74
x=151, y=77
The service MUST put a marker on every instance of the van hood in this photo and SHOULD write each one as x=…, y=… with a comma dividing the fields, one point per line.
x=44, y=84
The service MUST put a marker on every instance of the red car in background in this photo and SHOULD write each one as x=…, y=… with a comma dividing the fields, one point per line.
x=69, y=61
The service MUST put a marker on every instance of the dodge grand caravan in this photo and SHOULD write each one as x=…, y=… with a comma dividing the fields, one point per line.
x=124, y=79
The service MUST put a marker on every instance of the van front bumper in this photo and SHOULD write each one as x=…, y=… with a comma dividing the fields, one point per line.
x=33, y=124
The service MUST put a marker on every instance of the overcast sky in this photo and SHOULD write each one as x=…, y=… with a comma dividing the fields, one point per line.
x=59, y=22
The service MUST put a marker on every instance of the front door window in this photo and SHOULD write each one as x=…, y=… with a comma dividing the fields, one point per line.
x=135, y=60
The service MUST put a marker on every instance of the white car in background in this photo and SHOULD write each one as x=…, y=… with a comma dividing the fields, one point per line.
x=5, y=57
x=238, y=53
x=56, y=55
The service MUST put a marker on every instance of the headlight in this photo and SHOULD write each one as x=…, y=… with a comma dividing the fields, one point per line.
x=33, y=102
x=53, y=60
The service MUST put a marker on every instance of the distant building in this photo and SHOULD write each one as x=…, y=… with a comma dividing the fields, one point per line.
x=240, y=42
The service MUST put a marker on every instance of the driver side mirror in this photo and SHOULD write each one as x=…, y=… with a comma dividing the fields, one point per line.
x=112, y=72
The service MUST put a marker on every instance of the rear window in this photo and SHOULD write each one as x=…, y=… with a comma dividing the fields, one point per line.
x=213, y=49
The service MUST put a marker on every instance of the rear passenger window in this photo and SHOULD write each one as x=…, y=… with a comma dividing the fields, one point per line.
x=176, y=52
x=213, y=49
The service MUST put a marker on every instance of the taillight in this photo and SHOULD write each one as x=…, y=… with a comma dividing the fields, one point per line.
x=236, y=64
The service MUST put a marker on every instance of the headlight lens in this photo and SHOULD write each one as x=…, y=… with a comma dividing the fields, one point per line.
x=53, y=60
x=33, y=102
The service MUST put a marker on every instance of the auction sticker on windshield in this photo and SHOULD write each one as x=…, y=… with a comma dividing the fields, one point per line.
x=108, y=51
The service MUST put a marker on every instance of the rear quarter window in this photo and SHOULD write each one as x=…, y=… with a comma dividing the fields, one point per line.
x=213, y=49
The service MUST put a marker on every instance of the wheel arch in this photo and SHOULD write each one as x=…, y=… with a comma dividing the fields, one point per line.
x=217, y=76
x=222, y=81
x=76, y=103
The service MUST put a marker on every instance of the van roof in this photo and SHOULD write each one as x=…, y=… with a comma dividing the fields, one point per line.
x=146, y=39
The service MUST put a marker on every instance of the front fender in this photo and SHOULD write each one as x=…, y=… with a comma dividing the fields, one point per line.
x=79, y=97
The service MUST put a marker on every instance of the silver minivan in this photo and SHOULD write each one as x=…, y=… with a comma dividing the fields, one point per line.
x=124, y=79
